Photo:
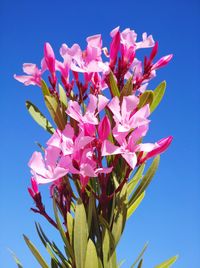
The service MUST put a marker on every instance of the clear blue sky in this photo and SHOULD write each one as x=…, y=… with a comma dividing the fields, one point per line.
x=169, y=217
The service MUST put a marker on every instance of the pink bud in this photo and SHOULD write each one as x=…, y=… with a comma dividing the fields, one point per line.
x=34, y=185
x=163, y=144
x=31, y=192
x=104, y=128
x=162, y=62
x=49, y=57
x=154, y=52
x=114, y=48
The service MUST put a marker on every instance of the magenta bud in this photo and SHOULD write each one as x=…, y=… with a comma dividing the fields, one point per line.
x=49, y=57
x=163, y=144
x=34, y=185
x=104, y=128
x=31, y=192
x=114, y=48
x=162, y=62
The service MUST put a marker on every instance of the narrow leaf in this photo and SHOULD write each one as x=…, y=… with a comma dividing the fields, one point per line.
x=127, y=89
x=61, y=230
x=146, y=98
x=91, y=260
x=168, y=263
x=140, y=263
x=134, y=181
x=158, y=94
x=17, y=261
x=39, y=117
x=45, y=89
x=140, y=255
x=134, y=206
x=62, y=96
x=80, y=234
x=146, y=180
x=113, y=85
x=70, y=227
x=54, y=109
x=35, y=252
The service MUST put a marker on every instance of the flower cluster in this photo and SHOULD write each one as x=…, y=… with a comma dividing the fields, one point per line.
x=104, y=118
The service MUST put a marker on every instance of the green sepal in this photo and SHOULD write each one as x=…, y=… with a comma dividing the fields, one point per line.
x=145, y=180
x=158, y=94
x=80, y=234
x=113, y=85
x=39, y=117
x=91, y=259
x=36, y=253
x=168, y=263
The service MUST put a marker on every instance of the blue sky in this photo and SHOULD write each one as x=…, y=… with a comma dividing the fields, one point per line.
x=169, y=216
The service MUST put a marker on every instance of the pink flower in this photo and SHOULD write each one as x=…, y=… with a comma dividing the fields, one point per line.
x=49, y=57
x=128, y=149
x=89, y=118
x=33, y=76
x=127, y=116
x=49, y=169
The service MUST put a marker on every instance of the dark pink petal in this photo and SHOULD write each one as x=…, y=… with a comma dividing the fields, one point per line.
x=104, y=128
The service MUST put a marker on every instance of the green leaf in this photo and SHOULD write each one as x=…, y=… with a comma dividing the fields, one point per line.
x=146, y=180
x=120, y=263
x=17, y=261
x=62, y=95
x=90, y=210
x=54, y=109
x=113, y=85
x=108, y=246
x=91, y=259
x=80, y=234
x=127, y=89
x=120, y=214
x=39, y=117
x=146, y=98
x=61, y=230
x=134, y=206
x=48, y=245
x=140, y=255
x=168, y=263
x=70, y=227
x=158, y=94
x=134, y=181
x=140, y=263
x=35, y=252
x=45, y=89
x=52, y=246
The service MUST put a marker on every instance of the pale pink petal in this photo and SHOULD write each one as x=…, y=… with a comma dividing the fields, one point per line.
x=105, y=170
x=30, y=68
x=102, y=102
x=115, y=108
x=74, y=110
x=109, y=148
x=130, y=158
x=92, y=106
x=129, y=103
x=36, y=163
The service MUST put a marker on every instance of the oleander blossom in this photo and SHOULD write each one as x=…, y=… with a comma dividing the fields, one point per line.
x=105, y=113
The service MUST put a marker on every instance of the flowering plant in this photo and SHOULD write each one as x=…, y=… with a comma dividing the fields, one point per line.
x=95, y=157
